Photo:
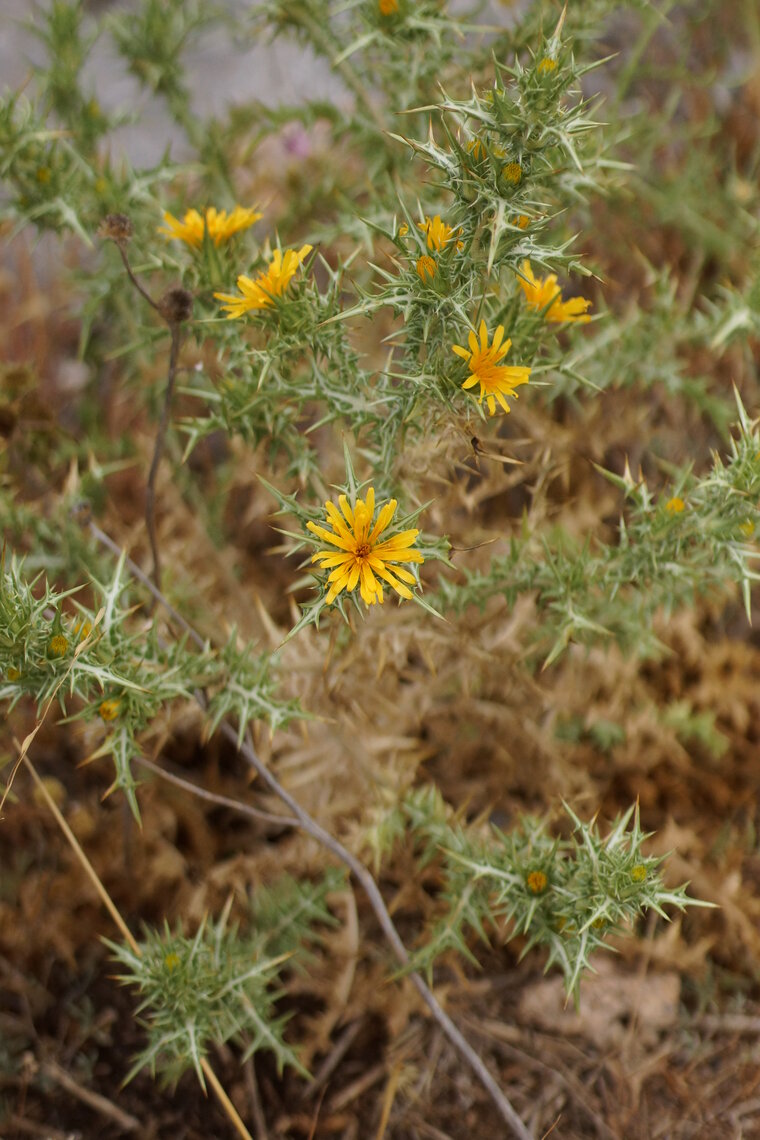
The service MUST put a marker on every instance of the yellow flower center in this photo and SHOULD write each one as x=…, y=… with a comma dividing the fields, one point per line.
x=360, y=556
x=109, y=710
x=536, y=881
x=58, y=645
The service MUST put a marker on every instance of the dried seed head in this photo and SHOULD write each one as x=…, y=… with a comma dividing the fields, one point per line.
x=176, y=305
x=116, y=227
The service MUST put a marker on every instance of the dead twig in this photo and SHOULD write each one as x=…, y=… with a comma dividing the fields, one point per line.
x=174, y=308
x=215, y=797
x=93, y=1100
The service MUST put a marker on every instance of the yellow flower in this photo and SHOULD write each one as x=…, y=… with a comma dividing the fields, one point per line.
x=14, y=674
x=171, y=961
x=477, y=148
x=536, y=882
x=260, y=294
x=747, y=527
x=361, y=558
x=219, y=225
x=403, y=230
x=496, y=380
x=426, y=268
x=82, y=629
x=522, y=220
x=43, y=174
x=547, y=65
x=438, y=234
x=639, y=873
x=109, y=710
x=675, y=505
x=512, y=172
x=543, y=294
x=388, y=7
x=58, y=646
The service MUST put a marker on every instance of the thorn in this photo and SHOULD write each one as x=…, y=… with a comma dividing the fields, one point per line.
x=560, y=22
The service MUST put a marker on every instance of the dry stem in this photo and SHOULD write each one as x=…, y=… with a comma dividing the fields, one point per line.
x=365, y=878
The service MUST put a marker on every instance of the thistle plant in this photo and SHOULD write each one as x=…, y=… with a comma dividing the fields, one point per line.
x=339, y=353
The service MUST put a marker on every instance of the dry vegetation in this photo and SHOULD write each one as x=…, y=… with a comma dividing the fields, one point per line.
x=665, y=1041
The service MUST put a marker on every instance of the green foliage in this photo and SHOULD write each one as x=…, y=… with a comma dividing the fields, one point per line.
x=564, y=895
x=217, y=986
x=117, y=672
x=473, y=157
x=669, y=550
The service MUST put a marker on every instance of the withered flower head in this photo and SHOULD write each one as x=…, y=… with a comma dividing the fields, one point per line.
x=116, y=227
x=176, y=305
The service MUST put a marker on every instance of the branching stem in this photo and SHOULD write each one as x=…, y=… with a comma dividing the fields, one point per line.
x=372, y=891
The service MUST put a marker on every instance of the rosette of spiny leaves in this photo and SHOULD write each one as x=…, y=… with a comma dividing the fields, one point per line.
x=672, y=547
x=222, y=984
x=565, y=895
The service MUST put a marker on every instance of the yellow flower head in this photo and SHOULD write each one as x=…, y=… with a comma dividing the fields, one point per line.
x=522, y=220
x=547, y=65
x=109, y=710
x=403, y=230
x=82, y=629
x=361, y=557
x=545, y=295
x=496, y=380
x=512, y=172
x=426, y=268
x=171, y=961
x=747, y=527
x=260, y=293
x=438, y=234
x=675, y=505
x=477, y=148
x=639, y=873
x=219, y=225
x=536, y=882
x=58, y=646
x=43, y=174
x=13, y=674
x=388, y=7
